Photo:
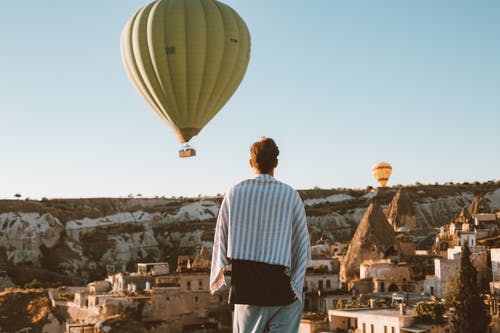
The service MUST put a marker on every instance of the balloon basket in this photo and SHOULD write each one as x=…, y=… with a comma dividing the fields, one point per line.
x=187, y=151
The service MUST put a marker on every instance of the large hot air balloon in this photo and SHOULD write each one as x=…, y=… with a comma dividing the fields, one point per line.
x=382, y=171
x=186, y=58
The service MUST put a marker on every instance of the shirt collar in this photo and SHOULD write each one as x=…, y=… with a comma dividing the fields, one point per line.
x=264, y=177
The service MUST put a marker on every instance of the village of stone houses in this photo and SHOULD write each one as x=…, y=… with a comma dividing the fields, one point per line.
x=385, y=260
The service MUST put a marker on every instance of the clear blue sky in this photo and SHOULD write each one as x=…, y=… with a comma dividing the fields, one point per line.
x=340, y=85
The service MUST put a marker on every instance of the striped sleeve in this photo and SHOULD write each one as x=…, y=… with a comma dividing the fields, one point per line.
x=301, y=250
x=219, y=253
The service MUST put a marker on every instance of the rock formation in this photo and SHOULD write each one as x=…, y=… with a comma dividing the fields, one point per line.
x=400, y=213
x=203, y=260
x=374, y=239
x=464, y=217
x=479, y=205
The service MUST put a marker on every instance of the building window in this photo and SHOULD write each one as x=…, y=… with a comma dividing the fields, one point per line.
x=385, y=329
x=188, y=285
x=320, y=284
x=200, y=284
x=382, y=287
x=364, y=328
x=393, y=329
x=372, y=328
x=196, y=299
x=328, y=284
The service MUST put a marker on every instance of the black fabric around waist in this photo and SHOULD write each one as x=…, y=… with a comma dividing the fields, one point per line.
x=257, y=283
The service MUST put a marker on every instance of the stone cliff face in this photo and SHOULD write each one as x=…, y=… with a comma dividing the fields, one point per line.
x=23, y=234
x=87, y=247
x=435, y=212
x=82, y=237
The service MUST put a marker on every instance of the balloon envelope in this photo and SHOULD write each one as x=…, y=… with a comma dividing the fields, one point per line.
x=186, y=58
x=382, y=171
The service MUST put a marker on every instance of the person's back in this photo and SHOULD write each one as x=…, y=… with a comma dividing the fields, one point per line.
x=262, y=229
x=262, y=210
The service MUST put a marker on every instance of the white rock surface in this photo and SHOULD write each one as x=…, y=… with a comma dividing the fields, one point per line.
x=330, y=199
x=494, y=198
x=22, y=234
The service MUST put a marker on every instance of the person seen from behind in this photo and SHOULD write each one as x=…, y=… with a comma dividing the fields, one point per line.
x=262, y=232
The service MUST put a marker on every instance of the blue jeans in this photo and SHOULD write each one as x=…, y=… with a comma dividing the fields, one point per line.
x=269, y=319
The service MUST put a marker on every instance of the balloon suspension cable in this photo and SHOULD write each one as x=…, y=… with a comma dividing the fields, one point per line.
x=187, y=151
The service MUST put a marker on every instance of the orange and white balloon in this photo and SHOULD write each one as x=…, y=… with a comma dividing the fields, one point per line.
x=382, y=171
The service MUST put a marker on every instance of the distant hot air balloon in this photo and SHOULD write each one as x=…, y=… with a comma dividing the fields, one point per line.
x=186, y=58
x=382, y=171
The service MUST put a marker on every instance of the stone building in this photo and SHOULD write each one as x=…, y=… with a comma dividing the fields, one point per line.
x=99, y=287
x=131, y=282
x=139, y=281
x=447, y=269
x=386, y=275
x=317, y=287
x=378, y=320
x=323, y=258
x=495, y=263
x=466, y=226
x=153, y=268
x=487, y=225
x=185, y=299
x=315, y=281
x=178, y=300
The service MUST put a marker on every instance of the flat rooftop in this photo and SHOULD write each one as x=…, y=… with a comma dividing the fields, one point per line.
x=384, y=312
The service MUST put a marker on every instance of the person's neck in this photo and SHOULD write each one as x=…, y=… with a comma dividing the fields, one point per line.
x=258, y=173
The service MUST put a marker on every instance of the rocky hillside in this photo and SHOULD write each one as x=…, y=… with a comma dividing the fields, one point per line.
x=27, y=309
x=77, y=240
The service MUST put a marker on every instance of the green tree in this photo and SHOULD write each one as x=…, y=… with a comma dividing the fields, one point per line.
x=470, y=311
x=452, y=290
x=430, y=312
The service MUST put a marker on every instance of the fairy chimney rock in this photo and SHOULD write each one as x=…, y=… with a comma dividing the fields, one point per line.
x=400, y=212
x=464, y=217
x=203, y=260
x=374, y=239
x=480, y=205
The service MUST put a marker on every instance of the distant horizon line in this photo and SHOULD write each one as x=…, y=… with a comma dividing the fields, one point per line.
x=138, y=196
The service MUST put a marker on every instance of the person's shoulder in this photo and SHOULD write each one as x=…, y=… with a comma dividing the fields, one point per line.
x=242, y=183
x=285, y=186
x=239, y=185
x=288, y=188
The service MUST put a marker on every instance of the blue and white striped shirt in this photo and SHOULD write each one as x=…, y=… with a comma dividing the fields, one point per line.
x=264, y=220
